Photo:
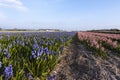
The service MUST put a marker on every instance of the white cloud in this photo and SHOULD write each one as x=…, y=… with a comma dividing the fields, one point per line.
x=16, y=4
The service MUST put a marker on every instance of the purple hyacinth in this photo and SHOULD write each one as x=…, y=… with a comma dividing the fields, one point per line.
x=23, y=44
x=5, y=51
x=26, y=43
x=53, y=77
x=46, y=50
x=62, y=48
x=34, y=54
x=35, y=46
x=30, y=76
x=45, y=58
x=8, y=55
x=40, y=52
x=9, y=46
x=8, y=72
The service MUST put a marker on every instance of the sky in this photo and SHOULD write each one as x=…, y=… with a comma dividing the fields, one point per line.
x=60, y=14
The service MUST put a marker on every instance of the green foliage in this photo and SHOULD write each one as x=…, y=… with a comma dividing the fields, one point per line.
x=20, y=48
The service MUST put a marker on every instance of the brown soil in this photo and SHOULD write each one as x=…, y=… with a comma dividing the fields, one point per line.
x=78, y=63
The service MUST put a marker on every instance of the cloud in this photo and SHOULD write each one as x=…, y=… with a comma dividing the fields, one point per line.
x=16, y=4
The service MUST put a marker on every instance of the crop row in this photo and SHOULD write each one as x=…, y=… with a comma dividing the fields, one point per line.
x=100, y=42
x=32, y=55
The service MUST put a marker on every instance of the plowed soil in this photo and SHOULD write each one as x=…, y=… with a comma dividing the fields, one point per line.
x=78, y=63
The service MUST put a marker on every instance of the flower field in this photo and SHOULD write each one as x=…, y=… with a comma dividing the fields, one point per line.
x=100, y=43
x=31, y=55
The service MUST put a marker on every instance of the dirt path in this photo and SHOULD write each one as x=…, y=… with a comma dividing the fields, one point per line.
x=79, y=64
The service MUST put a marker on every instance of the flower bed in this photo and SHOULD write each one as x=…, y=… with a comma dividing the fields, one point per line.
x=30, y=55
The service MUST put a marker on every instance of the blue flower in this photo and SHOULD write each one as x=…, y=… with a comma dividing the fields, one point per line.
x=62, y=48
x=8, y=72
x=9, y=46
x=8, y=55
x=35, y=46
x=46, y=50
x=45, y=58
x=26, y=43
x=23, y=44
x=39, y=53
x=34, y=54
x=5, y=51
x=52, y=77
x=30, y=76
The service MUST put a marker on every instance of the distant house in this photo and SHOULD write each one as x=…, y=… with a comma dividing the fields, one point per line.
x=49, y=30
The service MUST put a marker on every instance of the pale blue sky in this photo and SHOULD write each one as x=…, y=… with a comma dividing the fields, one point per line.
x=60, y=14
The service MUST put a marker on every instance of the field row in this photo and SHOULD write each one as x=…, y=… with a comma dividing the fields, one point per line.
x=31, y=55
x=100, y=43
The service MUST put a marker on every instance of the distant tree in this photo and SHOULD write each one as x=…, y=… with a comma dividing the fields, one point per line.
x=0, y=28
x=114, y=29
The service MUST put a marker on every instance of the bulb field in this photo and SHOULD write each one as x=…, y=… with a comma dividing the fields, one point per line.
x=31, y=55
x=100, y=43
x=34, y=55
